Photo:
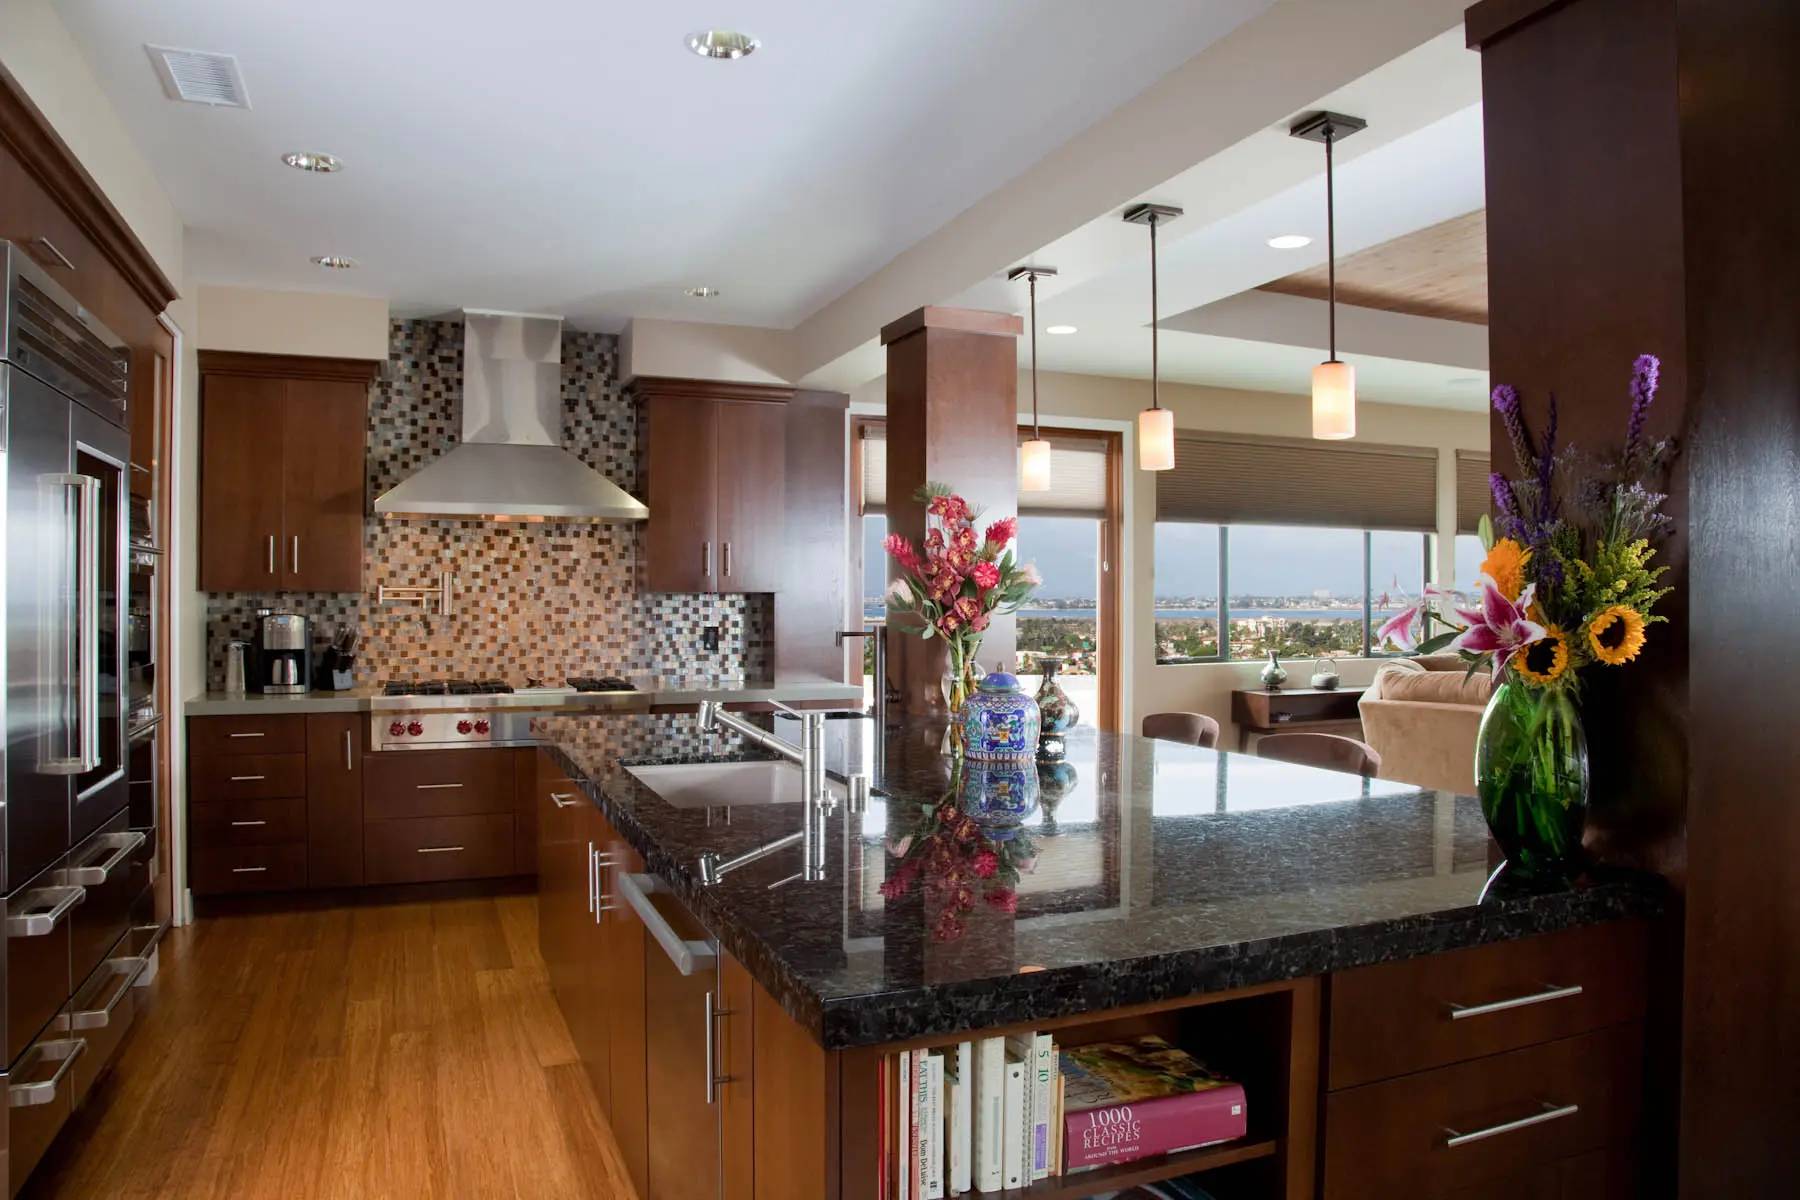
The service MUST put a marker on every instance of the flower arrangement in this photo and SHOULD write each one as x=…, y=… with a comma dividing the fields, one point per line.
x=956, y=863
x=959, y=580
x=1567, y=582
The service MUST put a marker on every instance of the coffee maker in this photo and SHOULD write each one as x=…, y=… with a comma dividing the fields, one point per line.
x=283, y=653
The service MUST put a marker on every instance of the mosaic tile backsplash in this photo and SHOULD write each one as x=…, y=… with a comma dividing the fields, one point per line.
x=532, y=600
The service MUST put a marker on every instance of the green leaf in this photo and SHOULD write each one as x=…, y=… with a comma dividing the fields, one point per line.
x=1485, y=530
x=1433, y=645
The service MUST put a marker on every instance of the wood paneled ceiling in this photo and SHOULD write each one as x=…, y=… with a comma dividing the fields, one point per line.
x=1439, y=271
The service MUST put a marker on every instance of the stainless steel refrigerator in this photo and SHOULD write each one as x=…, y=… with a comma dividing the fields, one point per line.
x=64, y=454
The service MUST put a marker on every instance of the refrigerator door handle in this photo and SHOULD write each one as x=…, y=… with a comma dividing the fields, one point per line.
x=83, y=613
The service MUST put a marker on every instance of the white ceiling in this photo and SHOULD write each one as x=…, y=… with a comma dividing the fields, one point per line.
x=572, y=157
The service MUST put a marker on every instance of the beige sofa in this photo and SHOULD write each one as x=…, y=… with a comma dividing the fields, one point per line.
x=1422, y=715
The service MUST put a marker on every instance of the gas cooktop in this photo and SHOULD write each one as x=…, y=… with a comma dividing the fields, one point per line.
x=445, y=687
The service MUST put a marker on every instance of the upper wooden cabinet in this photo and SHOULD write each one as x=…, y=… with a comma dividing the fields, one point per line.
x=281, y=472
x=716, y=460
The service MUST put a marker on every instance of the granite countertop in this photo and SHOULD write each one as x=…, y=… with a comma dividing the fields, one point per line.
x=652, y=691
x=1151, y=870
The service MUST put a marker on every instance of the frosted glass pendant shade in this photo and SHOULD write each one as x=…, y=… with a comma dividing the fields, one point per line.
x=1156, y=439
x=1034, y=466
x=1334, y=401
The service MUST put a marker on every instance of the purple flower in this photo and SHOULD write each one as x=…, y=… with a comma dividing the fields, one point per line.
x=1645, y=374
x=1506, y=403
x=1500, y=626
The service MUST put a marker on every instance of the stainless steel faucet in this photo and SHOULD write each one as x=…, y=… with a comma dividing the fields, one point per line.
x=877, y=635
x=816, y=801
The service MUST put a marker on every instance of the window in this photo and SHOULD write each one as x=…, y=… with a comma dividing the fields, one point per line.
x=1187, y=592
x=1469, y=554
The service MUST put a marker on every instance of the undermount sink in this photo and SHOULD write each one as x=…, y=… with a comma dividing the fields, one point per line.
x=721, y=785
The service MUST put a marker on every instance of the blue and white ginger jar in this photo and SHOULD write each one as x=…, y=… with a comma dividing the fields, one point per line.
x=1000, y=722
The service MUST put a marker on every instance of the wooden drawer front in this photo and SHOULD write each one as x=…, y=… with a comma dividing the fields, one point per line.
x=433, y=848
x=1385, y=1137
x=249, y=777
x=249, y=822
x=1397, y=1018
x=214, y=737
x=249, y=868
x=444, y=783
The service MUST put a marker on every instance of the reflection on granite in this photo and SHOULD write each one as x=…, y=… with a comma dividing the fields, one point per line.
x=1155, y=871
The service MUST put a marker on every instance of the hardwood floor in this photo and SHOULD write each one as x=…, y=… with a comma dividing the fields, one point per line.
x=403, y=1046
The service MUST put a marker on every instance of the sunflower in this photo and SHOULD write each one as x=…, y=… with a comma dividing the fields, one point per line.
x=1545, y=660
x=1616, y=634
x=1505, y=565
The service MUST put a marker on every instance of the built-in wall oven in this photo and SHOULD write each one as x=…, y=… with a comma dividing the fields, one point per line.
x=63, y=820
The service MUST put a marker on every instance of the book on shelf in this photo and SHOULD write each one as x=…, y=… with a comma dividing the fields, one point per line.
x=959, y=1070
x=1014, y=1124
x=990, y=1114
x=931, y=1128
x=1129, y=1100
x=904, y=1159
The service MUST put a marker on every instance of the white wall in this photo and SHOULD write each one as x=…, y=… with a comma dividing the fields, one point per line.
x=317, y=324
x=1100, y=400
x=690, y=350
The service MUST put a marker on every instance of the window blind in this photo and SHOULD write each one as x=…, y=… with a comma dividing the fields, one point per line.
x=1077, y=476
x=1231, y=479
x=1473, y=499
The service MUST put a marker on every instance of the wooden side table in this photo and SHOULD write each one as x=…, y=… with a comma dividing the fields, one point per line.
x=1258, y=710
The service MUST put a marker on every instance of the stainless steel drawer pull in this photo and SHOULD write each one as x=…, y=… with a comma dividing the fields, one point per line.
x=43, y=1091
x=1549, y=1112
x=247, y=824
x=271, y=554
x=440, y=849
x=122, y=845
x=248, y=778
x=727, y=556
x=244, y=735
x=436, y=787
x=248, y=870
x=1551, y=991
x=56, y=902
x=296, y=554
x=349, y=762
x=125, y=973
x=688, y=956
x=714, y=1080
x=55, y=253
x=563, y=799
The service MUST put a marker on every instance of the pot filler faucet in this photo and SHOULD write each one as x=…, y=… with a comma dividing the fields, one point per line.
x=817, y=803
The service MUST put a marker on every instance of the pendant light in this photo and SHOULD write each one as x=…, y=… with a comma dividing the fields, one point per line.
x=1034, y=454
x=1156, y=424
x=1333, y=382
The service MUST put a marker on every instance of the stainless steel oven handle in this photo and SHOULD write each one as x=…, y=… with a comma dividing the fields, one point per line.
x=43, y=1091
x=37, y=924
x=688, y=956
x=122, y=844
x=125, y=973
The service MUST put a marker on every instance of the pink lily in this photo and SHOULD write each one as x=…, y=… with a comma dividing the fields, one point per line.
x=1500, y=626
x=1402, y=630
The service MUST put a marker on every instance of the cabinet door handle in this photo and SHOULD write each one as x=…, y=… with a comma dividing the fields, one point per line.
x=706, y=559
x=248, y=870
x=296, y=554
x=727, y=560
x=714, y=1080
x=1460, y=1012
x=271, y=554
x=1547, y=1112
x=436, y=787
x=563, y=799
x=593, y=879
x=55, y=253
x=687, y=956
x=247, y=824
x=248, y=778
x=349, y=762
x=439, y=849
x=243, y=735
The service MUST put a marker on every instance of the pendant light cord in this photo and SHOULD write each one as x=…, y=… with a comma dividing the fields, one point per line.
x=1330, y=242
x=1031, y=282
x=1155, y=372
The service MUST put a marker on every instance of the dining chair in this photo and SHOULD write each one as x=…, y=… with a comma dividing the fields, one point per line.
x=1188, y=728
x=1332, y=751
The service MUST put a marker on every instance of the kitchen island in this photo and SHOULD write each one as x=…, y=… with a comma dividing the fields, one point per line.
x=1333, y=942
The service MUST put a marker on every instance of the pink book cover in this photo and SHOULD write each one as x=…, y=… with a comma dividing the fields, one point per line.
x=1129, y=1100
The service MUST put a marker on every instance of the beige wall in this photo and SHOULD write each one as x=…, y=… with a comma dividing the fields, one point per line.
x=39, y=53
x=318, y=324
x=1114, y=403
x=690, y=350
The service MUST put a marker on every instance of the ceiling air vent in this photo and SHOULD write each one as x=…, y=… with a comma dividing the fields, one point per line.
x=200, y=77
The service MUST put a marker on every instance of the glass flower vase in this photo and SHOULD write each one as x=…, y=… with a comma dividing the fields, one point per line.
x=957, y=685
x=1531, y=772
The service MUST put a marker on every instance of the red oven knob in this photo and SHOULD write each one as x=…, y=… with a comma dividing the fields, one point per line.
x=463, y=727
x=396, y=729
x=481, y=727
x=415, y=729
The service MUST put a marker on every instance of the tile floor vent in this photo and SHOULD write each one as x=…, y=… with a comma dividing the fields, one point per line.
x=200, y=77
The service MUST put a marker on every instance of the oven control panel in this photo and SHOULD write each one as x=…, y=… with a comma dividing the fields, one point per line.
x=432, y=730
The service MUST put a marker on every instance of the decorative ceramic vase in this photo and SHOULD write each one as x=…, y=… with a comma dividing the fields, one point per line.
x=1056, y=779
x=1273, y=673
x=1531, y=772
x=998, y=795
x=1057, y=713
x=1324, y=678
x=999, y=722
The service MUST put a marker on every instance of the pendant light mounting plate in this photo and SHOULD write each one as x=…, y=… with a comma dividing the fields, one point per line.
x=1018, y=273
x=1142, y=214
x=1314, y=127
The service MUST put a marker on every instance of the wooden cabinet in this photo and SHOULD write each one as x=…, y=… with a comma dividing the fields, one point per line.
x=618, y=972
x=281, y=472
x=247, y=829
x=715, y=461
x=334, y=798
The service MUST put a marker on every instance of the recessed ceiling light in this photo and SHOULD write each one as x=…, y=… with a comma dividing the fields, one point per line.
x=334, y=262
x=322, y=164
x=1290, y=241
x=722, y=43
x=1059, y=330
x=703, y=293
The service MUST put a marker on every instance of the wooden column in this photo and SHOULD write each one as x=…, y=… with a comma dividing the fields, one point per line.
x=952, y=418
x=1641, y=198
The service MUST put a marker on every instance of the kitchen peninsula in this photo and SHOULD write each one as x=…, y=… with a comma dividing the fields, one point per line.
x=1330, y=942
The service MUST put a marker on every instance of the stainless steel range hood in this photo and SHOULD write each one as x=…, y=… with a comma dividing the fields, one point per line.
x=510, y=464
